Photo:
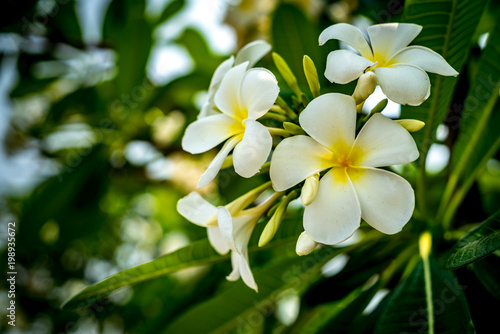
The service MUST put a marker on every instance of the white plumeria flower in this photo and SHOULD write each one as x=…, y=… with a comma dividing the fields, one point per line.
x=243, y=97
x=353, y=188
x=400, y=69
x=251, y=53
x=232, y=232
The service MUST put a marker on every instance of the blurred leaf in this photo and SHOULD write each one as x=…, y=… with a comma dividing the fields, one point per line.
x=488, y=272
x=172, y=8
x=448, y=26
x=295, y=36
x=239, y=305
x=336, y=316
x=63, y=24
x=477, y=243
x=195, y=254
x=407, y=308
x=131, y=37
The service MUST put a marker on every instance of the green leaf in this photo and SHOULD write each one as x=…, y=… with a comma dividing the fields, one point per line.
x=239, y=306
x=488, y=272
x=448, y=26
x=408, y=309
x=172, y=8
x=477, y=243
x=195, y=254
x=478, y=139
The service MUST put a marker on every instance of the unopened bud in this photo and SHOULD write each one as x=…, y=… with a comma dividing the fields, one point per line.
x=311, y=75
x=411, y=125
x=286, y=73
x=365, y=87
x=305, y=245
x=275, y=221
x=293, y=128
x=245, y=200
x=310, y=189
x=425, y=244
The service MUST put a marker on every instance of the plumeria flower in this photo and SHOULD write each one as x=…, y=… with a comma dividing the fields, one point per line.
x=243, y=96
x=231, y=232
x=353, y=188
x=400, y=69
x=251, y=53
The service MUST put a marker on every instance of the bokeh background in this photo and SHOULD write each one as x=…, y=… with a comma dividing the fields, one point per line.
x=94, y=98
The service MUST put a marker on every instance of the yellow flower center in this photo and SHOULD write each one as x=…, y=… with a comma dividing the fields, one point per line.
x=346, y=162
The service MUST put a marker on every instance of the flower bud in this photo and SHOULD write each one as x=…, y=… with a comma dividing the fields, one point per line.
x=293, y=128
x=411, y=125
x=311, y=75
x=305, y=244
x=275, y=221
x=310, y=189
x=425, y=244
x=286, y=72
x=365, y=87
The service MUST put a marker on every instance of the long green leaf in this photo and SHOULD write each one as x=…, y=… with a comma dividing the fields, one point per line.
x=408, y=308
x=477, y=134
x=239, y=306
x=479, y=242
x=195, y=254
x=488, y=272
x=447, y=29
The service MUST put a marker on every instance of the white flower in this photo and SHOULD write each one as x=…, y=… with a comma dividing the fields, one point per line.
x=243, y=96
x=231, y=231
x=353, y=188
x=251, y=53
x=400, y=69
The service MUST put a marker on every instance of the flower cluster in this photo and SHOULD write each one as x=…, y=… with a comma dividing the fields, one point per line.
x=326, y=150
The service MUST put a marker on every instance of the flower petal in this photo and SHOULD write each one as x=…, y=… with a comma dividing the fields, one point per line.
x=383, y=142
x=343, y=66
x=217, y=162
x=387, y=200
x=246, y=272
x=348, y=34
x=216, y=240
x=252, y=52
x=219, y=73
x=208, y=132
x=227, y=98
x=235, y=263
x=425, y=58
x=259, y=90
x=196, y=209
x=389, y=38
x=295, y=159
x=330, y=119
x=243, y=225
x=225, y=222
x=252, y=152
x=404, y=84
x=335, y=214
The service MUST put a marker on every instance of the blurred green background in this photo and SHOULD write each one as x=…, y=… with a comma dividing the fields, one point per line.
x=94, y=98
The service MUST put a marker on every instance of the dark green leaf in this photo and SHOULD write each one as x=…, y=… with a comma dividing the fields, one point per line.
x=239, y=306
x=407, y=309
x=488, y=272
x=476, y=244
x=172, y=8
x=448, y=27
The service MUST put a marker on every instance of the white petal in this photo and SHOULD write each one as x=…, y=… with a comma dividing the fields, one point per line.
x=225, y=222
x=217, y=162
x=425, y=58
x=348, y=34
x=243, y=225
x=295, y=159
x=389, y=38
x=305, y=245
x=208, y=132
x=252, y=52
x=196, y=209
x=235, y=262
x=343, y=66
x=252, y=152
x=330, y=119
x=383, y=142
x=335, y=214
x=227, y=98
x=259, y=91
x=216, y=240
x=219, y=73
x=246, y=272
x=404, y=84
x=387, y=200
